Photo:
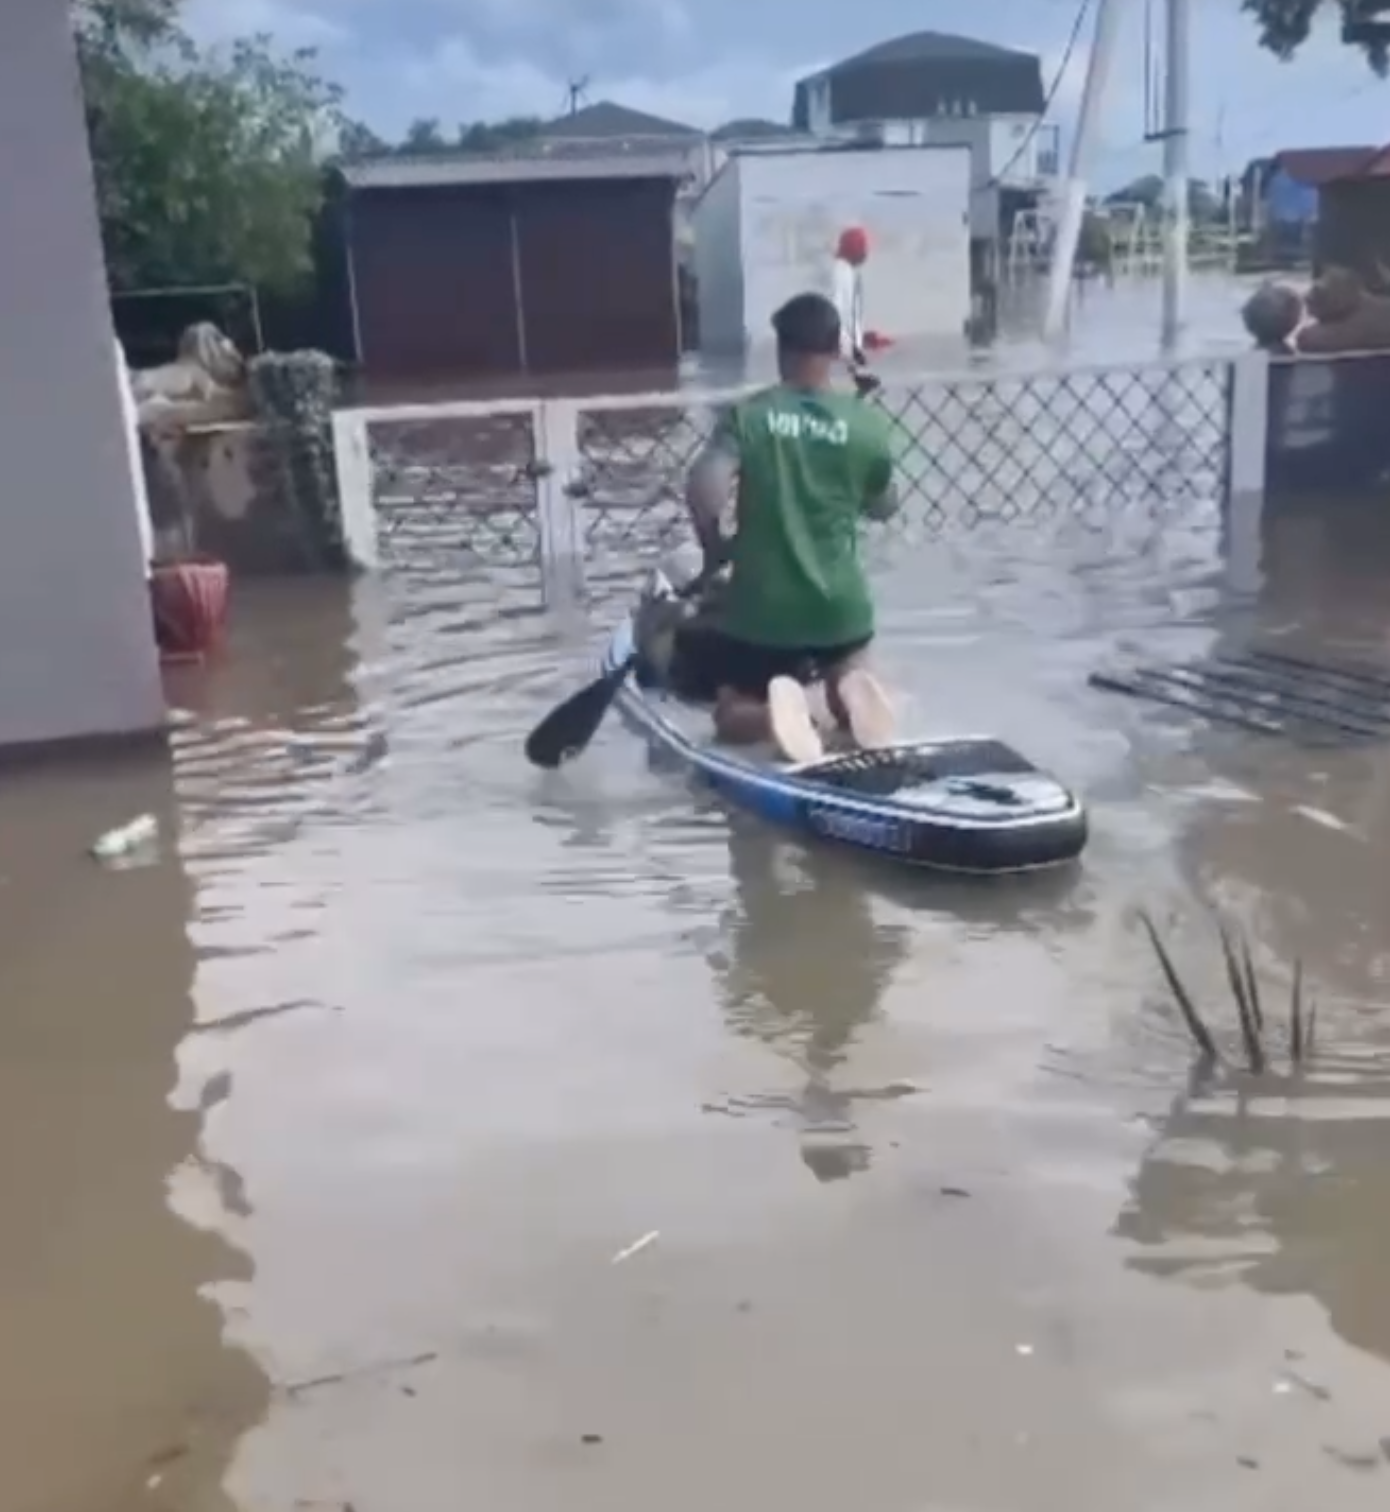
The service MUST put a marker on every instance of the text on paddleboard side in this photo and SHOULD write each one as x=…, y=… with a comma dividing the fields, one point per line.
x=860, y=829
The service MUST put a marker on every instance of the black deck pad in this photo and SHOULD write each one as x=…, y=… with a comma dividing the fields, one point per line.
x=897, y=771
x=1269, y=692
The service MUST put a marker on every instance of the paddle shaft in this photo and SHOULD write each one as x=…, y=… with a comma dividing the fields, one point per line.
x=569, y=727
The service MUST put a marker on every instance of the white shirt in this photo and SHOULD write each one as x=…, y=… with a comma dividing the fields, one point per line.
x=848, y=294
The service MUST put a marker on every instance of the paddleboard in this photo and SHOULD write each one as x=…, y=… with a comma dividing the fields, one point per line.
x=967, y=803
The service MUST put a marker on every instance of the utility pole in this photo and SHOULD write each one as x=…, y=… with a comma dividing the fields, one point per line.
x=1068, y=234
x=1177, y=170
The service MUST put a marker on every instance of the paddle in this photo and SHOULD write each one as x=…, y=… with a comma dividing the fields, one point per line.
x=568, y=729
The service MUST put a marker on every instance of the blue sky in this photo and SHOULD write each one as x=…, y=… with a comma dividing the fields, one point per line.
x=703, y=61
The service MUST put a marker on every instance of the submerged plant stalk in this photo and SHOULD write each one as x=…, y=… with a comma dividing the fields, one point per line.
x=1195, y=1027
x=1249, y=1019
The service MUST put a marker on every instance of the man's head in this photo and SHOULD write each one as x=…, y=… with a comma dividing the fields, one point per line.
x=808, y=340
x=1336, y=295
x=1272, y=314
x=854, y=246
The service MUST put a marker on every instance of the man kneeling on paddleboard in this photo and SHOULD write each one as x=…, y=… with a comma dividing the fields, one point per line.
x=809, y=462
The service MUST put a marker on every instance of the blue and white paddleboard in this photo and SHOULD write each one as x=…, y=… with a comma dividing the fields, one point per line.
x=965, y=804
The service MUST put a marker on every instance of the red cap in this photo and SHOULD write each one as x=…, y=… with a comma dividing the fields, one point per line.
x=854, y=244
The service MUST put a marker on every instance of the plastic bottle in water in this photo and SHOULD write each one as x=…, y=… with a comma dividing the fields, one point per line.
x=140, y=831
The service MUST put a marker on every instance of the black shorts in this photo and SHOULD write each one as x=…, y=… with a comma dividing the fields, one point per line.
x=706, y=660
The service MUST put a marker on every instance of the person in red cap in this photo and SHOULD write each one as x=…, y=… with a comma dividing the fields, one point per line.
x=848, y=293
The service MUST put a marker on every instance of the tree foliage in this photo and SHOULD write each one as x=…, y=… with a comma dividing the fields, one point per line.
x=491, y=136
x=208, y=163
x=424, y=136
x=1285, y=25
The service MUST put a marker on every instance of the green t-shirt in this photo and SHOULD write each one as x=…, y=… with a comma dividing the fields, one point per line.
x=811, y=465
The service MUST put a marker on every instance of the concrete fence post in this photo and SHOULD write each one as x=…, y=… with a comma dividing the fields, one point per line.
x=559, y=500
x=352, y=460
x=1247, y=437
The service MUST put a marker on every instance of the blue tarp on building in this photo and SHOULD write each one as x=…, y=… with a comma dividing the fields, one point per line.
x=1288, y=202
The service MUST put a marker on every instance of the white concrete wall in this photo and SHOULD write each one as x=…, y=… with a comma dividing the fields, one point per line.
x=77, y=653
x=718, y=265
x=913, y=202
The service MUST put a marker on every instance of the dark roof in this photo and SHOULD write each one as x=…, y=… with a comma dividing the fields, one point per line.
x=1376, y=166
x=457, y=170
x=1313, y=166
x=929, y=47
x=927, y=74
x=607, y=120
x=750, y=129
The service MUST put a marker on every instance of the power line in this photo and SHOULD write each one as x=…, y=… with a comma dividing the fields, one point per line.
x=1050, y=98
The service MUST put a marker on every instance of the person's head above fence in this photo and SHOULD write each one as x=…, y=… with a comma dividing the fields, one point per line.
x=853, y=246
x=808, y=340
x=1336, y=295
x=1272, y=314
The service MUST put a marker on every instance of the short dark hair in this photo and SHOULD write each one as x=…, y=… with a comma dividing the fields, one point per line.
x=808, y=325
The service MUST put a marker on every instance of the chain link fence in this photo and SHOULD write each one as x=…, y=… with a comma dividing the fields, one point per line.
x=513, y=483
x=457, y=485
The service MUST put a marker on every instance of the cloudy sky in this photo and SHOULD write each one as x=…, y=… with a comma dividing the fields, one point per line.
x=704, y=61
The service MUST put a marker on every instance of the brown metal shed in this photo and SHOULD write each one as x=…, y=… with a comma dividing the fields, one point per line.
x=1354, y=220
x=486, y=268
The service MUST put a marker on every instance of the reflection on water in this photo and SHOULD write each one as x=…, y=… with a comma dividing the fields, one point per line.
x=451, y=1034
x=1277, y=1184
x=1119, y=323
x=1278, y=1188
x=113, y=1377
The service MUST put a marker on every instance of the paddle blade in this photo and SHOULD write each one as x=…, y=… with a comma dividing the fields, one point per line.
x=566, y=730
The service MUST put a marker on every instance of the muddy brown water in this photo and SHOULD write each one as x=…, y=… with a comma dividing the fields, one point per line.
x=321, y=1134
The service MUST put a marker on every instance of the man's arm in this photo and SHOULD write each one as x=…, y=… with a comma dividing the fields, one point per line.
x=708, y=486
x=881, y=499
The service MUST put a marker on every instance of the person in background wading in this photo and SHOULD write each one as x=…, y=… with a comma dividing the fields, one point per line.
x=847, y=290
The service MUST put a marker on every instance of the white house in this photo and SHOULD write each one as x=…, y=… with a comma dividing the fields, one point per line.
x=769, y=222
x=938, y=90
x=77, y=648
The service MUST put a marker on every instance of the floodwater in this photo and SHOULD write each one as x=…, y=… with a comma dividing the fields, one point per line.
x=1107, y=323
x=323, y=1133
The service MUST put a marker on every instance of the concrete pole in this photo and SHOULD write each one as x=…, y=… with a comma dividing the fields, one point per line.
x=1068, y=234
x=1177, y=170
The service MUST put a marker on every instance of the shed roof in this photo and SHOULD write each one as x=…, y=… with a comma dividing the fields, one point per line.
x=458, y=170
x=607, y=119
x=1375, y=165
x=925, y=74
x=1314, y=166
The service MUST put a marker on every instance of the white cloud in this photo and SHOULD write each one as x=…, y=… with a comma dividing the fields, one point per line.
x=466, y=60
x=291, y=25
x=453, y=83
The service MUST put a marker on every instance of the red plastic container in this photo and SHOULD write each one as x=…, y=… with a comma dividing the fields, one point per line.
x=189, y=600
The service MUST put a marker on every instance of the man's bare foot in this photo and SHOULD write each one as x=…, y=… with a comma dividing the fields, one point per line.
x=793, y=729
x=871, y=718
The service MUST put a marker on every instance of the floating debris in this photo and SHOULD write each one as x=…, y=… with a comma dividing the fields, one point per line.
x=636, y=1247
x=374, y=1368
x=140, y=833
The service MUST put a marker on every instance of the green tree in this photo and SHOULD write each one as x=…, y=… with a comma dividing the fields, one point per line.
x=492, y=136
x=1146, y=191
x=423, y=136
x=1285, y=25
x=356, y=140
x=207, y=163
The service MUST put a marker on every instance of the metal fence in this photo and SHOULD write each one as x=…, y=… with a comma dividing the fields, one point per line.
x=562, y=485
